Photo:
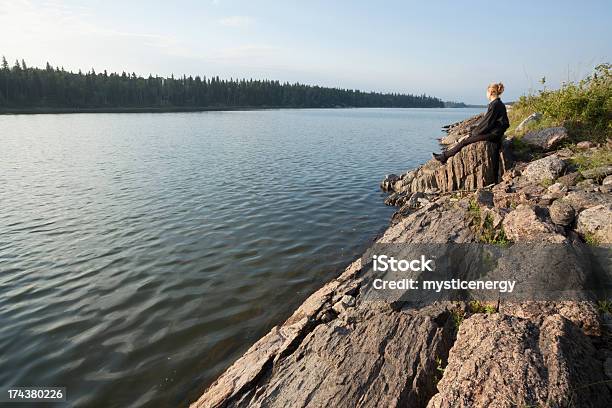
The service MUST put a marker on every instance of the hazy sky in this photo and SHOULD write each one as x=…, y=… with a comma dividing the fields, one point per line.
x=449, y=49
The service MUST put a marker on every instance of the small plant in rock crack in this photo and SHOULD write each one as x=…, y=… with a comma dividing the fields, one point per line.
x=439, y=370
x=478, y=307
x=458, y=316
x=604, y=306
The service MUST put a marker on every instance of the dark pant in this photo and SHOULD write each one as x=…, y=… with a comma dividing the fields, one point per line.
x=489, y=137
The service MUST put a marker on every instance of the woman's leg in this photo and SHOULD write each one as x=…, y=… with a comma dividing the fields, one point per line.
x=469, y=140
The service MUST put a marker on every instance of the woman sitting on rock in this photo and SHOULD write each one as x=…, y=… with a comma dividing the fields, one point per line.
x=491, y=128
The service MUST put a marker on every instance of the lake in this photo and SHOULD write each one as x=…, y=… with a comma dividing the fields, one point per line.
x=141, y=254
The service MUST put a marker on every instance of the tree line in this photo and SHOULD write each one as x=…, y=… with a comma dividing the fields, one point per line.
x=30, y=87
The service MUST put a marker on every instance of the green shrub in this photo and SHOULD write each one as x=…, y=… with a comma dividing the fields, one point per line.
x=585, y=108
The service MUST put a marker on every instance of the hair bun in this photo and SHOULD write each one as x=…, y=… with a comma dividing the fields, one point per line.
x=496, y=88
x=500, y=88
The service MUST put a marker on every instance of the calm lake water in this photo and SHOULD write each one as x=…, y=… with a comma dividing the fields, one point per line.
x=141, y=254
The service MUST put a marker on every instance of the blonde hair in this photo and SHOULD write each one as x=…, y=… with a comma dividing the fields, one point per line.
x=496, y=88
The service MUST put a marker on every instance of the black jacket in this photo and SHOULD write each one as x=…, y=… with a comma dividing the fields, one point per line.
x=495, y=121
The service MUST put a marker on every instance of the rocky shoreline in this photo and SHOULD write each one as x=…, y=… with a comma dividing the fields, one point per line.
x=339, y=349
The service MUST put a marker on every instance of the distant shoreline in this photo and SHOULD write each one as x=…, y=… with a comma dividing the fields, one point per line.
x=34, y=111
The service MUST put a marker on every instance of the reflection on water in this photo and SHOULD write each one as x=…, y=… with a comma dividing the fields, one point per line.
x=140, y=254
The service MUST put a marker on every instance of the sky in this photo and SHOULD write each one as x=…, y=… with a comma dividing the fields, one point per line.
x=448, y=49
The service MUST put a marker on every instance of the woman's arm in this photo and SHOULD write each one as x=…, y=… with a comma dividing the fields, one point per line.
x=504, y=121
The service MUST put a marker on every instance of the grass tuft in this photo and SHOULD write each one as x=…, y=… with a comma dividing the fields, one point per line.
x=592, y=159
x=604, y=306
x=547, y=182
x=591, y=239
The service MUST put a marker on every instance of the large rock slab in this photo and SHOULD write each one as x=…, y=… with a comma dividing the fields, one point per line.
x=546, y=139
x=504, y=361
x=369, y=358
x=438, y=222
x=475, y=166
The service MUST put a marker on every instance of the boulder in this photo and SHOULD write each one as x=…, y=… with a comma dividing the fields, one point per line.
x=582, y=199
x=570, y=179
x=587, y=185
x=547, y=168
x=504, y=361
x=534, y=117
x=388, y=182
x=524, y=224
x=607, y=181
x=475, y=166
x=546, y=139
x=556, y=190
x=582, y=314
x=597, y=222
x=509, y=198
x=562, y=213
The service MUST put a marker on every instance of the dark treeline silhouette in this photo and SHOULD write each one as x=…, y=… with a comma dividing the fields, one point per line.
x=23, y=87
